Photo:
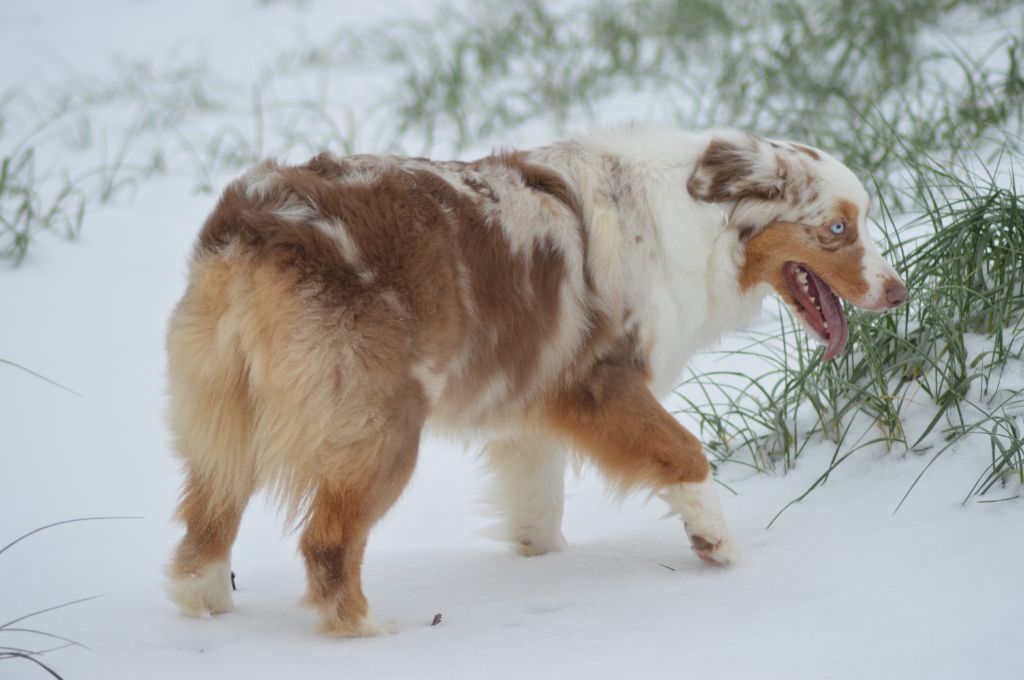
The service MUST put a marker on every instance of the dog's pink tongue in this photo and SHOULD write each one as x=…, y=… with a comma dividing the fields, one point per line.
x=832, y=310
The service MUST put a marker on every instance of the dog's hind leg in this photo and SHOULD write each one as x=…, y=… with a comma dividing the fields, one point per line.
x=368, y=474
x=529, y=492
x=210, y=418
x=614, y=418
x=200, y=574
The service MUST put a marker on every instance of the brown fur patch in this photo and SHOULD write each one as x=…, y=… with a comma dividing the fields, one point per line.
x=727, y=172
x=307, y=254
x=328, y=166
x=211, y=524
x=511, y=327
x=616, y=420
x=546, y=180
x=836, y=259
x=746, y=232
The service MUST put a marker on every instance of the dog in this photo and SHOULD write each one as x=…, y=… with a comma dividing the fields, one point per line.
x=544, y=299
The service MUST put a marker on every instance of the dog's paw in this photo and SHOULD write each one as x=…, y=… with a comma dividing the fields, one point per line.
x=717, y=550
x=531, y=545
x=697, y=504
x=205, y=593
x=365, y=626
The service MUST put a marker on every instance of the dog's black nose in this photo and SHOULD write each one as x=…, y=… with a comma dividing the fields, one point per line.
x=895, y=292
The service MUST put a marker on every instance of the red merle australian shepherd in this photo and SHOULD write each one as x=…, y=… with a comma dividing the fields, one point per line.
x=545, y=299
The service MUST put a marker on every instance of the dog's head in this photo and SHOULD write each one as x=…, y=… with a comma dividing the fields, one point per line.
x=801, y=217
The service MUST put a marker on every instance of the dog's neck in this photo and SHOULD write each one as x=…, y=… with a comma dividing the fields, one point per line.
x=649, y=245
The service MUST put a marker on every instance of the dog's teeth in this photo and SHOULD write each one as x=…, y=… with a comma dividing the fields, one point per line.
x=801, y=278
x=826, y=325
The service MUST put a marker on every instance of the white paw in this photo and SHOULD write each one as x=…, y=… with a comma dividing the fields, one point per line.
x=697, y=504
x=713, y=549
x=204, y=593
x=533, y=544
x=528, y=493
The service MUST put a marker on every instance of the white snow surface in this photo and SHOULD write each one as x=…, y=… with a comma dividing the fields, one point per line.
x=839, y=587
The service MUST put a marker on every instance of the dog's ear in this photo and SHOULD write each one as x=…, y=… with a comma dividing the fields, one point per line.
x=731, y=170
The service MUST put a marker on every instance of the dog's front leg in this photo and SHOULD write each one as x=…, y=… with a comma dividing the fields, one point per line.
x=614, y=418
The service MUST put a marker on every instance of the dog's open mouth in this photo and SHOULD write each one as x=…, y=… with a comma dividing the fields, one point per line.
x=819, y=308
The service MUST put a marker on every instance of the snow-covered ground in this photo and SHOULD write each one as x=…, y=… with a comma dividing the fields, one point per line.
x=839, y=587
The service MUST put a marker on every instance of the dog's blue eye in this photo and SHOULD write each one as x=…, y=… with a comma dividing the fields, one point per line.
x=838, y=228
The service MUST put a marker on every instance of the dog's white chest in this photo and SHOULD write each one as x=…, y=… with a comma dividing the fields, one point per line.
x=686, y=315
x=672, y=326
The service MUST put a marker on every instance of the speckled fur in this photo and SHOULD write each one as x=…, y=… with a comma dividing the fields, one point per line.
x=544, y=298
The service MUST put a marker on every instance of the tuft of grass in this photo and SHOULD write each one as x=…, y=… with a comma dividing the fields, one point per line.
x=26, y=209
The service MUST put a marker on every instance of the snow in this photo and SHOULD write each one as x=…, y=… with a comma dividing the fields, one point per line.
x=838, y=587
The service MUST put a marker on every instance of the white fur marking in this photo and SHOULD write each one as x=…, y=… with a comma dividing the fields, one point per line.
x=529, y=493
x=877, y=273
x=205, y=593
x=697, y=503
x=259, y=182
x=336, y=229
x=433, y=383
x=296, y=211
